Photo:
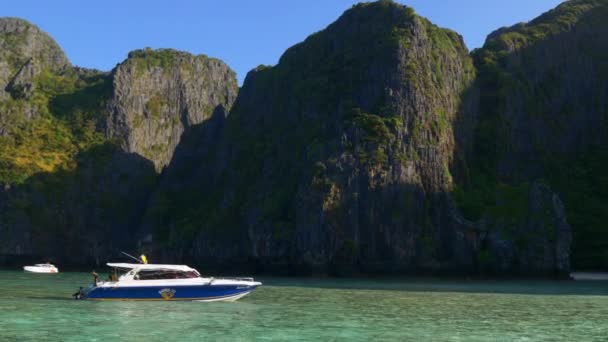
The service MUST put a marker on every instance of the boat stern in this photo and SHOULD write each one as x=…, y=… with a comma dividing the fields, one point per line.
x=83, y=292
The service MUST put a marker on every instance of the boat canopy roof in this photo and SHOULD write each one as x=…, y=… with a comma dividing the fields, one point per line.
x=150, y=267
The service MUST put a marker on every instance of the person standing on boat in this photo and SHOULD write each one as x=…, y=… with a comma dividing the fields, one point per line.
x=95, y=277
x=143, y=258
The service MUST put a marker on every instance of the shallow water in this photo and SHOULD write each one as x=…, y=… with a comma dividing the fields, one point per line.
x=36, y=307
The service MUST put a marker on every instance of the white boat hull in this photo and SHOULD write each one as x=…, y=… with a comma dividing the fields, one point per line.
x=34, y=269
x=225, y=299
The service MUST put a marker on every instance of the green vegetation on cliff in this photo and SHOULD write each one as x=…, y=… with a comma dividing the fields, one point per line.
x=314, y=75
x=67, y=188
x=49, y=111
x=68, y=108
x=542, y=114
x=315, y=144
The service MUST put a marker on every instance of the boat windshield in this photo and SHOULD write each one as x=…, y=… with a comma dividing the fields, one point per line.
x=164, y=274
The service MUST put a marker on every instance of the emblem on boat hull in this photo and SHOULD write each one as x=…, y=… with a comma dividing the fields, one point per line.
x=167, y=293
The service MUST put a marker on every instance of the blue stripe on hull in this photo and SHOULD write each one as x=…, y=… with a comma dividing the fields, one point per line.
x=192, y=292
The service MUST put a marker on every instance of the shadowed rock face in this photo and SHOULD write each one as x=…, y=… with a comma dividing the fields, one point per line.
x=159, y=94
x=550, y=79
x=79, y=217
x=543, y=115
x=339, y=159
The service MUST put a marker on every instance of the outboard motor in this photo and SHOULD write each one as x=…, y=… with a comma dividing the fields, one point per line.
x=79, y=294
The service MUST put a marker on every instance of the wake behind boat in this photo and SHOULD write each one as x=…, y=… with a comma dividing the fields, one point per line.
x=166, y=282
x=41, y=268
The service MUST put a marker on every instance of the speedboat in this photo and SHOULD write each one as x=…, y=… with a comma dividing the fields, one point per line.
x=165, y=282
x=41, y=268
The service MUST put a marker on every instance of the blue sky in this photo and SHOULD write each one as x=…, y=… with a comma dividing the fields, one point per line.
x=243, y=33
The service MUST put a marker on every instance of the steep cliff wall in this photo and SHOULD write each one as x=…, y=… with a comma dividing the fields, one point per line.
x=158, y=94
x=23, y=48
x=543, y=115
x=79, y=147
x=66, y=190
x=340, y=158
x=25, y=53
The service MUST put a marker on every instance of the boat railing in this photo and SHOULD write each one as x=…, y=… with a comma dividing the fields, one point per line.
x=230, y=278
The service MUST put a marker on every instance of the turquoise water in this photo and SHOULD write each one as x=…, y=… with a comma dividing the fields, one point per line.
x=36, y=307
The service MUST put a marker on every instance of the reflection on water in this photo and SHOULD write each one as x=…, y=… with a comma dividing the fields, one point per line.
x=38, y=308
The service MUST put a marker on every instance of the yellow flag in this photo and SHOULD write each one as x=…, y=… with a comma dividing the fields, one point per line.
x=144, y=259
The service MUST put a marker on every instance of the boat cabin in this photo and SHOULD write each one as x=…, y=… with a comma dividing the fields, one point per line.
x=154, y=271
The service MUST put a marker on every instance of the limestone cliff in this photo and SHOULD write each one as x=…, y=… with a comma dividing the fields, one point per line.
x=159, y=94
x=339, y=158
x=25, y=52
x=23, y=47
x=543, y=115
x=66, y=190
x=376, y=145
x=79, y=147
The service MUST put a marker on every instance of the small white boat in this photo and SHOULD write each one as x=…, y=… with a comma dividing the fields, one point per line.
x=41, y=268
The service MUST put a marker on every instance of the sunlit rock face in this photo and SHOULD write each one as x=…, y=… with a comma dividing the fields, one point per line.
x=158, y=94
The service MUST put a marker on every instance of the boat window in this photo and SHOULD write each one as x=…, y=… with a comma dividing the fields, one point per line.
x=164, y=274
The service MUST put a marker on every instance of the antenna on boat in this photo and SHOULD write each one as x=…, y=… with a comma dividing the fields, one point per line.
x=132, y=257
